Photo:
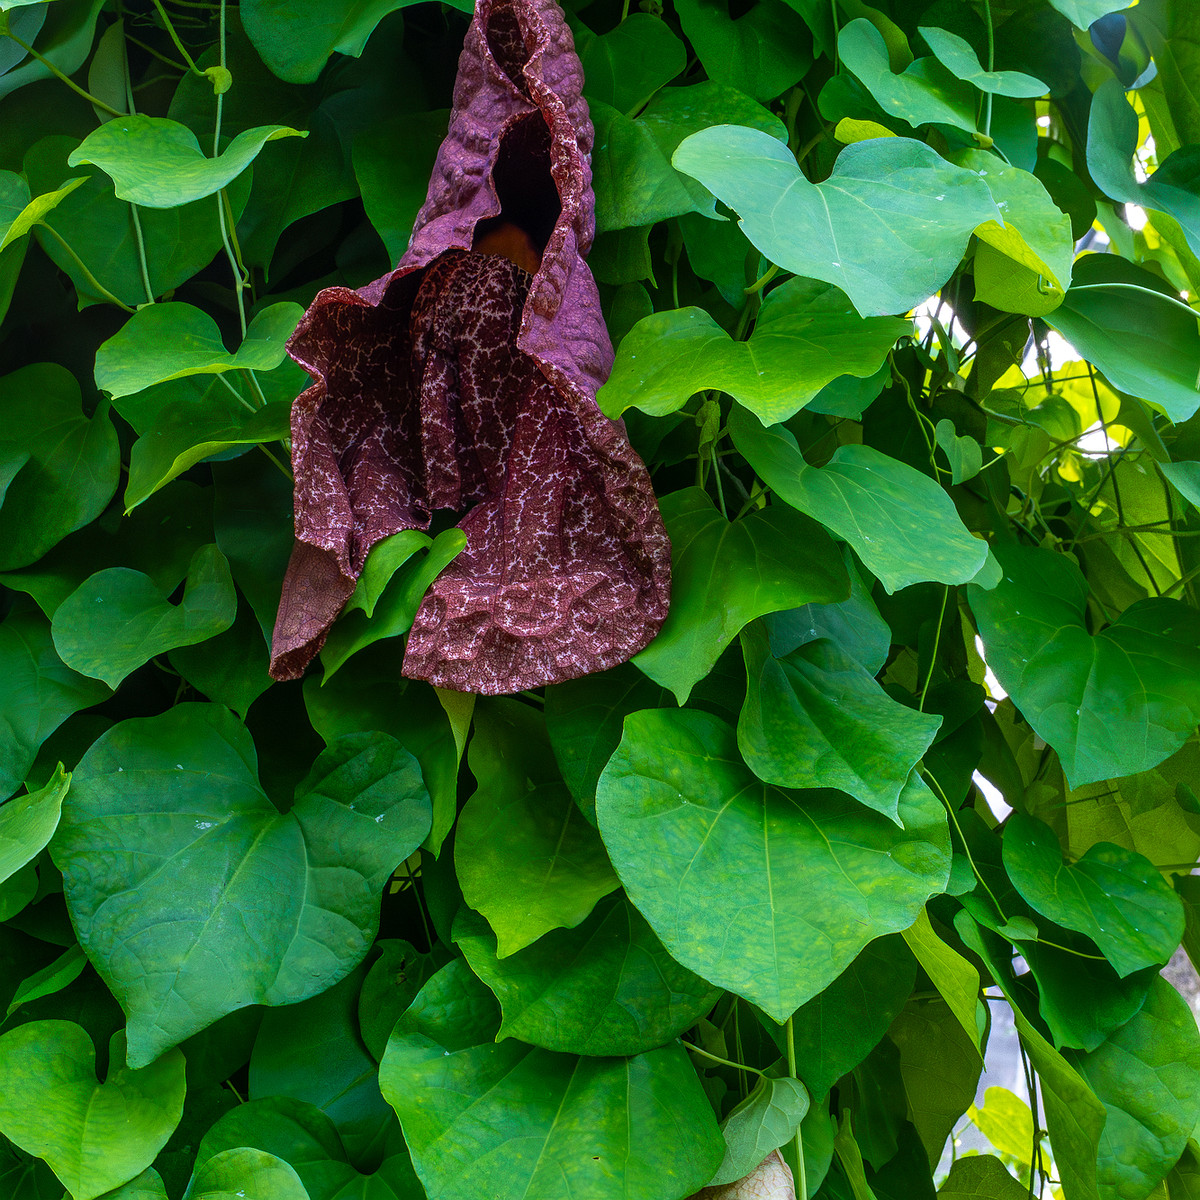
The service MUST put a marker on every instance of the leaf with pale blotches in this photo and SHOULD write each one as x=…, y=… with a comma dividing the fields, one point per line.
x=465, y=380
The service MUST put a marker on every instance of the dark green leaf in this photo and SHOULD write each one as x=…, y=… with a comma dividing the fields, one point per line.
x=118, y=619
x=38, y=692
x=958, y=56
x=72, y=469
x=763, y=1122
x=720, y=582
x=181, y=788
x=605, y=987
x=96, y=1136
x=981, y=1177
x=770, y=893
x=526, y=857
x=1115, y=896
x=1111, y=704
x=898, y=521
x=542, y=1125
x=627, y=65
x=816, y=719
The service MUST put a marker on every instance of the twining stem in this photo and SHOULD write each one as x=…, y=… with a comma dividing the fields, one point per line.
x=92, y=281
x=133, y=208
x=67, y=80
x=801, y=1181
x=725, y=1062
x=937, y=639
x=187, y=58
x=991, y=65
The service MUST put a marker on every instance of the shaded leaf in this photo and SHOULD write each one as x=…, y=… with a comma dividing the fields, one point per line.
x=180, y=789
x=627, y=65
x=956, y=980
x=768, y=892
x=28, y=822
x=605, y=987
x=981, y=1177
x=73, y=464
x=958, y=56
x=720, y=581
x=118, y=619
x=759, y=1125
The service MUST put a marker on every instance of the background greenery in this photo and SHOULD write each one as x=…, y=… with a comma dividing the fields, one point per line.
x=639, y=929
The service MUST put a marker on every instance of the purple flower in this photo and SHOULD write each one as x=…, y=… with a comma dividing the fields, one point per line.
x=466, y=378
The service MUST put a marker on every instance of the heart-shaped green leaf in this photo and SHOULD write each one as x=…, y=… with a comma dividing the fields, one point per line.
x=158, y=162
x=888, y=227
x=245, y=1174
x=118, y=619
x=95, y=1136
x=806, y=335
x=551, y=1126
x=627, y=65
x=1111, y=704
x=180, y=789
x=72, y=467
x=605, y=987
x=720, y=581
x=768, y=892
x=169, y=341
x=38, y=691
x=1113, y=895
x=816, y=719
x=27, y=823
x=762, y=1122
x=526, y=858
x=958, y=56
x=898, y=521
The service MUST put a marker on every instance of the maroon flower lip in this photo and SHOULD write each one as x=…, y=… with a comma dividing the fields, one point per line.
x=466, y=378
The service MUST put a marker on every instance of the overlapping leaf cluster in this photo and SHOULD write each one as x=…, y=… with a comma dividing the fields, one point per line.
x=901, y=294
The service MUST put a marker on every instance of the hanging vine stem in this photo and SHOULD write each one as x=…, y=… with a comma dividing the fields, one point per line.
x=937, y=640
x=802, y=1181
x=131, y=104
x=92, y=281
x=725, y=1062
x=991, y=66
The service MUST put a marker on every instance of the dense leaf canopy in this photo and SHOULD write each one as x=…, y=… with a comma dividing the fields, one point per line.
x=452, y=860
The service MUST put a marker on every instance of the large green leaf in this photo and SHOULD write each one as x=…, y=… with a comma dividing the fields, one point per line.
x=627, y=65
x=96, y=1136
x=898, y=521
x=1147, y=1075
x=518, y=1123
x=1115, y=896
x=168, y=341
x=834, y=1031
x=888, y=226
x=1111, y=704
x=816, y=719
x=303, y=1137
x=605, y=987
x=768, y=892
x=762, y=52
x=118, y=619
x=38, y=692
x=526, y=857
x=158, y=162
x=169, y=841
x=72, y=467
x=632, y=174
x=806, y=335
x=721, y=581
x=28, y=822
x=958, y=56
x=956, y=980
x=1142, y=337
x=924, y=92
x=296, y=43
x=981, y=1177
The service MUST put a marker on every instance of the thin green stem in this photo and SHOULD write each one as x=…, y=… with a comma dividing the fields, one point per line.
x=187, y=58
x=59, y=74
x=256, y=386
x=133, y=208
x=725, y=1062
x=937, y=640
x=412, y=879
x=283, y=469
x=93, y=282
x=240, y=398
x=162, y=58
x=991, y=66
x=801, y=1177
